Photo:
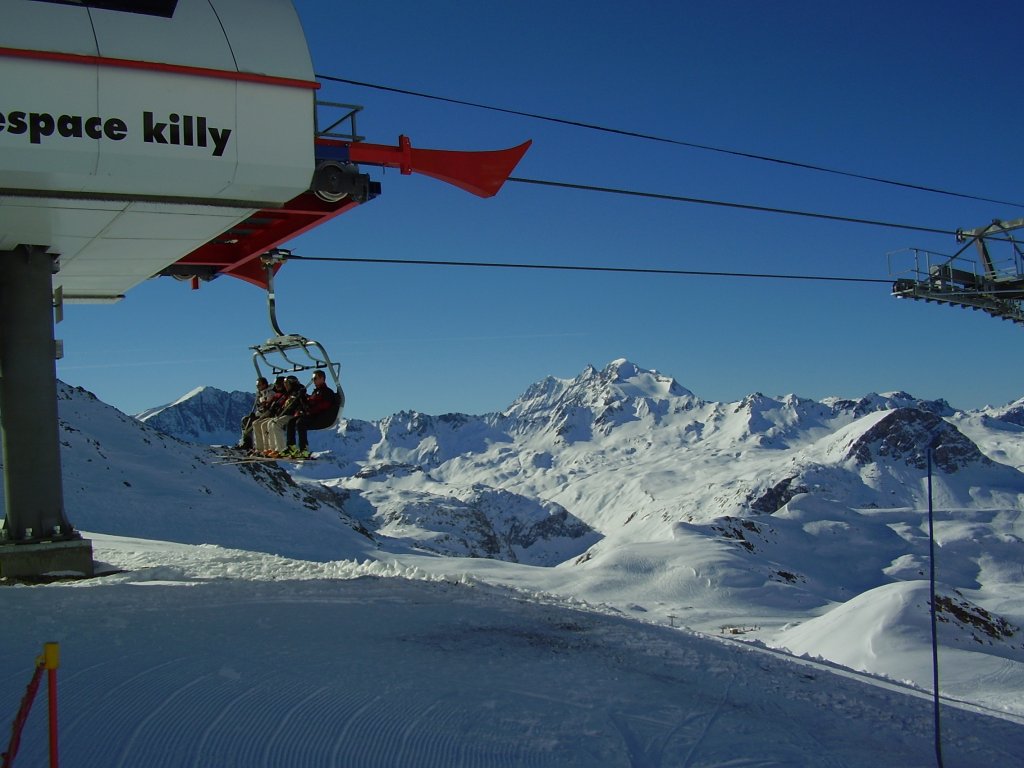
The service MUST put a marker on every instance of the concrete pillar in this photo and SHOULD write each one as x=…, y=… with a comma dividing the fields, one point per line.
x=33, y=490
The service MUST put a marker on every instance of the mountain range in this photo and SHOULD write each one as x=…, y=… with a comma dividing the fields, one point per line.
x=625, y=448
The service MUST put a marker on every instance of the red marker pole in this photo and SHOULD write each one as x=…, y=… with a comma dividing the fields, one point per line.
x=51, y=660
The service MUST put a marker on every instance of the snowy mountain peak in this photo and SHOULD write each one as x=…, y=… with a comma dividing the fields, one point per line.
x=620, y=379
x=597, y=400
x=622, y=369
x=638, y=382
x=204, y=415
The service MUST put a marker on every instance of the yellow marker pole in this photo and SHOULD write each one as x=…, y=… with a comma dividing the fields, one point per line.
x=51, y=661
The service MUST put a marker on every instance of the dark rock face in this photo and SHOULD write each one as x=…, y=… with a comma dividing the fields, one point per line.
x=906, y=434
x=777, y=496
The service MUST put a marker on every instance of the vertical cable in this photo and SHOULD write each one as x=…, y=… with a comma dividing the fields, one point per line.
x=935, y=637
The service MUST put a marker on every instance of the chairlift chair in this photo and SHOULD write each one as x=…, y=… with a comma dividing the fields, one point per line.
x=289, y=353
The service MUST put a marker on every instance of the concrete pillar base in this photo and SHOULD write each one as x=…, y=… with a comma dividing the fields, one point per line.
x=47, y=561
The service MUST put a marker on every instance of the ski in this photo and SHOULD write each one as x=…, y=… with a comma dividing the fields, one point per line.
x=243, y=459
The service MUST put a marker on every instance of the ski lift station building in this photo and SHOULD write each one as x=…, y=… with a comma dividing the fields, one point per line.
x=145, y=138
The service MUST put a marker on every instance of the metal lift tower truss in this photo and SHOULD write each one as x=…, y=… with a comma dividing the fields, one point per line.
x=993, y=284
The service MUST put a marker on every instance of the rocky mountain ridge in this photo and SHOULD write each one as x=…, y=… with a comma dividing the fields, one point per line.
x=628, y=449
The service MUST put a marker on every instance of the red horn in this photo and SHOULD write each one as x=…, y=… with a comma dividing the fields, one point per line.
x=480, y=173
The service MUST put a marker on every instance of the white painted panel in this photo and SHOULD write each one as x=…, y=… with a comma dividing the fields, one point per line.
x=40, y=100
x=35, y=222
x=116, y=266
x=176, y=125
x=141, y=225
x=193, y=36
x=275, y=141
x=126, y=263
x=46, y=27
x=266, y=37
x=125, y=242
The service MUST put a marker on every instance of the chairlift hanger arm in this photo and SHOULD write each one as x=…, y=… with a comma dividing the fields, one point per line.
x=272, y=261
x=280, y=345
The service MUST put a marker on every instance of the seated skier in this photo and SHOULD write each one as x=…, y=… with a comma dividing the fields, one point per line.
x=293, y=404
x=275, y=400
x=321, y=410
x=259, y=410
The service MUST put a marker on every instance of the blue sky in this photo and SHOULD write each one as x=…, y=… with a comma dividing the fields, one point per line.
x=913, y=91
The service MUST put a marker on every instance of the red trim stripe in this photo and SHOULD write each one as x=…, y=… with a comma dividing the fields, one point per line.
x=156, y=66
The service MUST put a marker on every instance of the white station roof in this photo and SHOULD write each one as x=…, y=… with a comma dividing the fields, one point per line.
x=128, y=140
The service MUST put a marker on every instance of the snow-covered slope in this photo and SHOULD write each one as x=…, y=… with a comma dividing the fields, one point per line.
x=744, y=517
x=122, y=476
x=773, y=520
x=203, y=656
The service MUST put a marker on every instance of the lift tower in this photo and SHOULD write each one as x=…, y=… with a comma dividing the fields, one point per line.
x=36, y=537
x=993, y=284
